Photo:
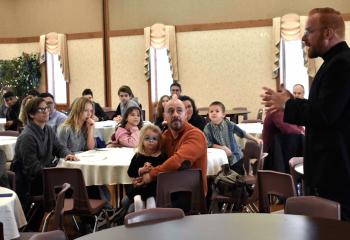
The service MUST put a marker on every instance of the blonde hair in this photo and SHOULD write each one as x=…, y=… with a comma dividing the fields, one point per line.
x=78, y=108
x=153, y=128
x=23, y=117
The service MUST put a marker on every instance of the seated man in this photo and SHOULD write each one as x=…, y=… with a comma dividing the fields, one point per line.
x=56, y=118
x=99, y=115
x=14, y=106
x=126, y=100
x=182, y=142
x=36, y=148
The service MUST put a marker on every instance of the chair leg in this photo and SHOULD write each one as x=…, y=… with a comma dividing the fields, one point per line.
x=95, y=225
x=46, y=219
x=75, y=223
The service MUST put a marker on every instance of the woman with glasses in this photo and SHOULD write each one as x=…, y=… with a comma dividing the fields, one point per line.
x=36, y=148
x=77, y=131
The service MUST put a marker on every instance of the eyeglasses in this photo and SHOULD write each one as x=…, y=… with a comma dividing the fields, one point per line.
x=150, y=139
x=43, y=109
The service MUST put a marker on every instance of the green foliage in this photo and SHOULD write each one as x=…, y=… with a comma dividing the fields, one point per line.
x=21, y=74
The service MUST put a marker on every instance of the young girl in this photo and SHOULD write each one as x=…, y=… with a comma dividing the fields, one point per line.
x=128, y=132
x=77, y=131
x=148, y=155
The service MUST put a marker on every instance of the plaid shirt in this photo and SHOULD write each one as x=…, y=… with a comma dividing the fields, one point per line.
x=223, y=134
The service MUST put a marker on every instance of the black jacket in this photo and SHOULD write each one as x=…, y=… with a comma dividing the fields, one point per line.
x=326, y=117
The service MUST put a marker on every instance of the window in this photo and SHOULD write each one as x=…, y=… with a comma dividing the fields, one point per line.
x=56, y=85
x=161, y=75
x=293, y=70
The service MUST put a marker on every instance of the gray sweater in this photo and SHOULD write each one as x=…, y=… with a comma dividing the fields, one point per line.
x=35, y=149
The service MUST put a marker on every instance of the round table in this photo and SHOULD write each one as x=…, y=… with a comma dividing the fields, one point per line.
x=254, y=129
x=104, y=130
x=2, y=124
x=7, y=144
x=11, y=213
x=110, y=165
x=233, y=226
x=299, y=168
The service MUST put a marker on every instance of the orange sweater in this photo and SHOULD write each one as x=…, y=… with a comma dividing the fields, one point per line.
x=189, y=145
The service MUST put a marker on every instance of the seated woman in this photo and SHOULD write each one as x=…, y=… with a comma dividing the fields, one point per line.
x=128, y=132
x=36, y=148
x=192, y=113
x=77, y=131
x=160, y=111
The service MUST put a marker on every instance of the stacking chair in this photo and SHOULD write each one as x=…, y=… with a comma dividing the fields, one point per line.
x=152, y=215
x=9, y=133
x=276, y=183
x=59, y=208
x=52, y=235
x=292, y=163
x=79, y=204
x=313, y=206
x=178, y=188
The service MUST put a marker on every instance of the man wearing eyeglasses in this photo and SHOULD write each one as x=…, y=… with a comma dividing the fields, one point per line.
x=56, y=118
x=182, y=143
x=326, y=114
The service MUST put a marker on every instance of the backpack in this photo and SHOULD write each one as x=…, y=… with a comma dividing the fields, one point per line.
x=230, y=184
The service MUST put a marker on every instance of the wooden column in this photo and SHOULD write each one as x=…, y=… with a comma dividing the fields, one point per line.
x=106, y=54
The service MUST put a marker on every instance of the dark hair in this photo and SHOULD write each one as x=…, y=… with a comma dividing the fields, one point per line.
x=9, y=94
x=33, y=92
x=46, y=94
x=218, y=103
x=32, y=106
x=187, y=98
x=160, y=108
x=125, y=89
x=87, y=91
x=176, y=85
x=126, y=114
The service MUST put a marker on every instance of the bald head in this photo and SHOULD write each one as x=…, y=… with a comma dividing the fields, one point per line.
x=298, y=91
x=175, y=114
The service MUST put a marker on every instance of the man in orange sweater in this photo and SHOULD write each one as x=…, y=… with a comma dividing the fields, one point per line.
x=181, y=142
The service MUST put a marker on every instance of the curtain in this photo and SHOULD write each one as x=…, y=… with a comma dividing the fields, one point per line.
x=161, y=36
x=55, y=43
x=289, y=27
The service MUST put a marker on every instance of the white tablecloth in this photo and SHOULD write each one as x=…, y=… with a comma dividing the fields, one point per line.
x=104, y=130
x=254, y=129
x=110, y=165
x=7, y=144
x=2, y=124
x=11, y=214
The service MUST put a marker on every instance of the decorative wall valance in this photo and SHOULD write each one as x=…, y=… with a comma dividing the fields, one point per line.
x=161, y=36
x=289, y=27
x=55, y=43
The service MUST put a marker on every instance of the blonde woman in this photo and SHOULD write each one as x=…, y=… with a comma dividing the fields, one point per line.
x=77, y=131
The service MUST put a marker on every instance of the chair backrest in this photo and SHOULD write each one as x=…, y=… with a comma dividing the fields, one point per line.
x=180, y=188
x=277, y=183
x=292, y=163
x=240, y=108
x=152, y=215
x=1, y=231
x=56, y=177
x=12, y=180
x=109, y=112
x=313, y=206
x=9, y=133
x=52, y=235
x=59, y=208
x=252, y=150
